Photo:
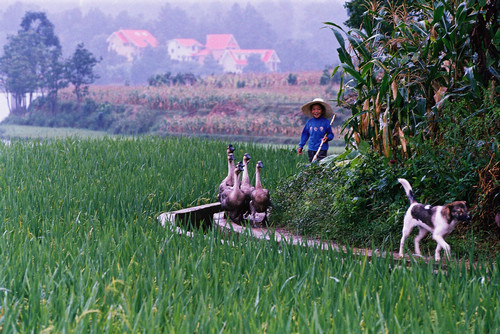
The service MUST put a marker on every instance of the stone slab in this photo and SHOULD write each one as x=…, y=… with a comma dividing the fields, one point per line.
x=196, y=216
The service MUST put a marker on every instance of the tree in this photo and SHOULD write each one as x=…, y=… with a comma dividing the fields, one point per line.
x=152, y=61
x=173, y=22
x=38, y=23
x=295, y=56
x=80, y=71
x=249, y=27
x=211, y=66
x=18, y=70
x=31, y=61
x=255, y=64
x=53, y=78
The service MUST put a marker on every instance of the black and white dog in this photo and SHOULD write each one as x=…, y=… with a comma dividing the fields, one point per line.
x=438, y=220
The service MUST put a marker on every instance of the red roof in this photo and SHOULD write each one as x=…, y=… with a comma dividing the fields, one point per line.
x=265, y=54
x=236, y=60
x=188, y=42
x=139, y=38
x=204, y=52
x=221, y=42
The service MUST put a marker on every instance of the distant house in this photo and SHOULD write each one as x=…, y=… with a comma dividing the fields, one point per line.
x=224, y=49
x=217, y=44
x=183, y=49
x=236, y=60
x=131, y=43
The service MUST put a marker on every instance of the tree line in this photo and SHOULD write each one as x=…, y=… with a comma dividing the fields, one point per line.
x=33, y=63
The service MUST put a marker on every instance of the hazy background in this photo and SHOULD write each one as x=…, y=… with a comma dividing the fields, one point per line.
x=294, y=28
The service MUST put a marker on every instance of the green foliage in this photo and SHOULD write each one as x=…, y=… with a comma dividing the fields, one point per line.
x=350, y=199
x=80, y=70
x=168, y=79
x=423, y=94
x=400, y=76
x=17, y=69
x=358, y=9
x=355, y=198
x=255, y=64
x=32, y=63
x=469, y=152
x=90, y=115
x=329, y=77
x=291, y=79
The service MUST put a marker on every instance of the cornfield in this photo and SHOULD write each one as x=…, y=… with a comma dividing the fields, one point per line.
x=268, y=106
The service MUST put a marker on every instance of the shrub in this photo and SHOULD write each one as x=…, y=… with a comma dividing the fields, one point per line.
x=291, y=79
x=351, y=199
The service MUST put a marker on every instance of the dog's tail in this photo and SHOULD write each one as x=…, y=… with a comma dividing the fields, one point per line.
x=408, y=190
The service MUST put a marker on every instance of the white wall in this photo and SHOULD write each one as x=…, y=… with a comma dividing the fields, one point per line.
x=4, y=108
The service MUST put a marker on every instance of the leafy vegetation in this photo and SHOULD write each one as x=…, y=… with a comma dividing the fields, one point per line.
x=355, y=199
x=82, y=252
x=407, y=60
x=424, y=103
x=14, y=132
x=80, y=71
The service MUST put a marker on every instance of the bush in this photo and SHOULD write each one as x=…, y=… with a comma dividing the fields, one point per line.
x=291, y=79
x=353, y=201
x=90, y=115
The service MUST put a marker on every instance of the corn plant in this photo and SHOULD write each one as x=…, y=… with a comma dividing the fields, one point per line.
x=407, y=60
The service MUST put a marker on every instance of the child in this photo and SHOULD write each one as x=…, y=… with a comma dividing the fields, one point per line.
x=316, y=128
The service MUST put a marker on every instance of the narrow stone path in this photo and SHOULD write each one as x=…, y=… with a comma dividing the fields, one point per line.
x=210, y=216
x=282, y=235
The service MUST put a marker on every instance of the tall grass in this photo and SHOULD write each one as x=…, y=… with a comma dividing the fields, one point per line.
x=81, y=251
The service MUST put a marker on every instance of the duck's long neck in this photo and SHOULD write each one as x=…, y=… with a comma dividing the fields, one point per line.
x=236, y=180
x=257, y=178
x=230, y=171
x=245, y=179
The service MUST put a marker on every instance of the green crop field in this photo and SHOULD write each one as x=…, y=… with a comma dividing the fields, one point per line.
x=81, y=252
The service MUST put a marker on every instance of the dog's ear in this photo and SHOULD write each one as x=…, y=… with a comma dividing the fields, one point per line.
x=446, y=211
x=460, y=204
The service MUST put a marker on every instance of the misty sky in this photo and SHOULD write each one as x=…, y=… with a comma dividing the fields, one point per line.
x=145, y=6
x=88, y=2
x=85, y=3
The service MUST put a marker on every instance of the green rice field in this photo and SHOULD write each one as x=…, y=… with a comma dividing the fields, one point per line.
x=81, y=252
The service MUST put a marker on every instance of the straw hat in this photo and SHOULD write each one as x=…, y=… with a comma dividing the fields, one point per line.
x=306, y=108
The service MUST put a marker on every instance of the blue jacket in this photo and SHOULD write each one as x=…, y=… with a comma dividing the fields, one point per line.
x=314, y=131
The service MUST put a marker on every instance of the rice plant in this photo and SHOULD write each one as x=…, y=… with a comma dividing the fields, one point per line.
x=81, y=251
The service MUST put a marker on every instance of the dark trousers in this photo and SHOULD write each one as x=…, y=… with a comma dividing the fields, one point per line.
x=321, y=155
